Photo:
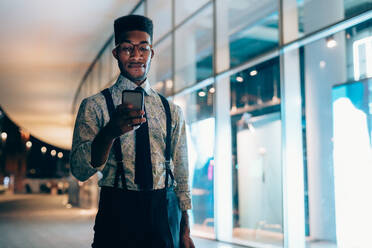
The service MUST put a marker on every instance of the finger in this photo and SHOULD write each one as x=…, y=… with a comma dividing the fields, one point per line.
x=123, y=108
x=126, y=105
x=136, y=113
x=126, y=128
x=137, y=121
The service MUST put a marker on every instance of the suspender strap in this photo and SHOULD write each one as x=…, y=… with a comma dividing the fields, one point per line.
x=167, y=141
x=117, y=146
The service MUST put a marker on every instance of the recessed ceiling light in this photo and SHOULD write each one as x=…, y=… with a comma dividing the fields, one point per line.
x=239, y=79
x=202, y=94
x=253, y=73
x=331, y=42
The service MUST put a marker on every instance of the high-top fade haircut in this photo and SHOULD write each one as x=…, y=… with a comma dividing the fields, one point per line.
x=130, y=23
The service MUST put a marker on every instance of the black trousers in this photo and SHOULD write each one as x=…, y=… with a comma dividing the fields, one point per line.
x=137, y=219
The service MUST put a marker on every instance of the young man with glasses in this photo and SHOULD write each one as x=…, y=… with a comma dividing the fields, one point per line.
x=142, y=154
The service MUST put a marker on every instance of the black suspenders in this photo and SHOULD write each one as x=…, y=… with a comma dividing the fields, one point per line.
x=117, y=146
x=167, y=154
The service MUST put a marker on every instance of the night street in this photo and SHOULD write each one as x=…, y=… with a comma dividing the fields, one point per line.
x=44, y=221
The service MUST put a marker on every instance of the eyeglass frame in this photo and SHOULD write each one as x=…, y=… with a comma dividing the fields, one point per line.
x=128, y=53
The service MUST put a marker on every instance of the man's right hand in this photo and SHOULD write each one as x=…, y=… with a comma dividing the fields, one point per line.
x=124, y=119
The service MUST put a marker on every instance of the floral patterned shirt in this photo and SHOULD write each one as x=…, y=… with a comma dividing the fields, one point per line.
x=93, y=115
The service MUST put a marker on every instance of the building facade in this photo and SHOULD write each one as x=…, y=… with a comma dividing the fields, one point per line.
x=277, y=97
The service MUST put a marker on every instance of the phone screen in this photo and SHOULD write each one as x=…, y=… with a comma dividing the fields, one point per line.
x=134, y=98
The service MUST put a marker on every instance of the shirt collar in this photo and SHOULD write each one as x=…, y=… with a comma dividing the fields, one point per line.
x=124, y=83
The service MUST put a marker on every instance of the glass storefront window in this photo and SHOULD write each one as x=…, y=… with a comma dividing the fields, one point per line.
x=253, y=28
x=187, y=8
x=161, y=68
x=194, y=50
x=337, y=91
x=198, y=111
x=352, y=130
x=160, y=11
x=256, y=141
x=314, y=15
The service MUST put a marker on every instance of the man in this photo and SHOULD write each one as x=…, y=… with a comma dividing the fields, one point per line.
x=140, y=210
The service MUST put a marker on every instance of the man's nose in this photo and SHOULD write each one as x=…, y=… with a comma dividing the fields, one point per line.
x=135, y=53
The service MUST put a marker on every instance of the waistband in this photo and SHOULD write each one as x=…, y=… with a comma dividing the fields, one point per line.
x=113, y=189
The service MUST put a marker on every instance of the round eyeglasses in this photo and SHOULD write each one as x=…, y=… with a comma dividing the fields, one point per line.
x=128, y=48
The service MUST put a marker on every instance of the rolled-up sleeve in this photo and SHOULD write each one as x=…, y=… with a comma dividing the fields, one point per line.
x=180, y=160
x=85, y=130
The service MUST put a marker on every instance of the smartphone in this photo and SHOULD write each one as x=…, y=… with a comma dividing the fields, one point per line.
x=133, y=97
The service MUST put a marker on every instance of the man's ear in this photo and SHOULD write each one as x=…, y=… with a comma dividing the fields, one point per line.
x=115, y=53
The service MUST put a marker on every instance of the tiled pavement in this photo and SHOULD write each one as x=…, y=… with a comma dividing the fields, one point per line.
x=42, y=221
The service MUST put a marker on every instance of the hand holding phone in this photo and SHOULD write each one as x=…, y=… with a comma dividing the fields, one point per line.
x=129, y=115
x=133, y=98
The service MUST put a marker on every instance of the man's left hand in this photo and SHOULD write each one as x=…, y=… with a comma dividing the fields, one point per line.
x=185, y=239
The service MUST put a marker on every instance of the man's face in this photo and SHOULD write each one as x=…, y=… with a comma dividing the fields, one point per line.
x=134, y=55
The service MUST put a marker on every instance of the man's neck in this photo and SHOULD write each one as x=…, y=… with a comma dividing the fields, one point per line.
x=138, y=83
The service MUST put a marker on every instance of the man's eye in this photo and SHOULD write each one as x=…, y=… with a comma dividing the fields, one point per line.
x=127, y=49
x=144, y=48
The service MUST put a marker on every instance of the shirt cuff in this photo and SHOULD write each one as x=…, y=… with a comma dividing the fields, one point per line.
x=185, y=205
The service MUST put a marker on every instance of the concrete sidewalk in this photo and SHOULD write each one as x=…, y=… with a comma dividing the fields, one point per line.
x=43, y=221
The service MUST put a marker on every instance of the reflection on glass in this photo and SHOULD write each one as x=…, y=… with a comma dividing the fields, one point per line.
x=198, y=110
x=256, y=88
x=161, y=68
x=314, y=15
x=186, y=8
x=359, y=51
x=253, y=27
x=160, y=11
x=194, y=49
x=257, y=173
x=352, y=129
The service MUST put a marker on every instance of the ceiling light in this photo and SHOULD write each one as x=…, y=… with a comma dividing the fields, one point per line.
x=322, y=64
x=212, y=90
x=331, y=42
x=169, y=84
x=253, y=73
x=28, y=144
x=239, y=79
x=53, y=153
x=60, y=155
x=202, y=94
x=4, y=135
x=43, y=149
